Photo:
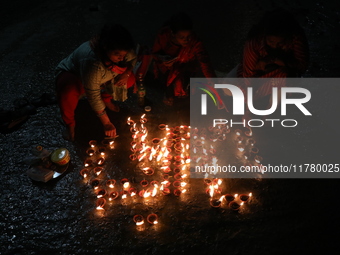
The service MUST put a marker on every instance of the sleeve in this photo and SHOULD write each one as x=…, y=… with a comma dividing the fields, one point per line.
x=92, y=80
x=250, y=58
x=204, y=60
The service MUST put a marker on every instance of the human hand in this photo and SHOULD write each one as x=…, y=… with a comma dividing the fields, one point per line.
x=122, y=80
x=110, y=130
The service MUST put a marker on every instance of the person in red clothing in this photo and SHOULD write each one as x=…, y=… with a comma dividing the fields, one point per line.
x=179, y=55
x=275, y=48
x=101, y=70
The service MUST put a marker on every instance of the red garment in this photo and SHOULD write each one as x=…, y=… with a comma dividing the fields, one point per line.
x=190, y=60
x=255, y=49
x=69, y=89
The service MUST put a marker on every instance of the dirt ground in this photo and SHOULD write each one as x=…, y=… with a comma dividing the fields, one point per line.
x=286, y=216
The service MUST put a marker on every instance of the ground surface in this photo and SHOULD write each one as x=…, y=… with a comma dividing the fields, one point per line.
x=287, y=216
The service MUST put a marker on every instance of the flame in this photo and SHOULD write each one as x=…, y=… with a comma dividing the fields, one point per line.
x=183, y=184
x=123, y=196
x=235, y=195
x=184, y=175
x=85, y=175
x=183, y=191
x=99, y=208
x=211, y=192
x=155, y=222
x=205, y=152
x=219, y=182
x=198, y=159
x=142, y=157
x=126, y=185
x=250, y=194
x=221, y=198
x=133, y=194
x=154, y=192
x=146, y=194
x=142, y=116
x=140, y=223
x=241, y=203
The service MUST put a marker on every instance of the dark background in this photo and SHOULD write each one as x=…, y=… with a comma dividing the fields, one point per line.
x=295, y=216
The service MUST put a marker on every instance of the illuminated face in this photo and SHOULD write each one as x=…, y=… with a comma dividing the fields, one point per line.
x=116, y=56
x=183, y=37
x=275, y=42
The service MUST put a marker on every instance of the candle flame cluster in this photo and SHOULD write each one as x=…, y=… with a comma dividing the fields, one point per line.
x=167, y=159
x=166, y=154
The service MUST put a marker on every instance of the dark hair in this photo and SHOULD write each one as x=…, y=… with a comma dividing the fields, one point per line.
x=178, y=22
x=112, y=37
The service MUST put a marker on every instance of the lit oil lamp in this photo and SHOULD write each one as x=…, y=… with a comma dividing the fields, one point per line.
x=111, y=144
x=138, y=219
x=240, y=147
x=148, y=171
x=95, y=184
x=113, y=195
x=100, y=161
x=101, y=151
x=101, y=193
x=152, y=219
x=88, y=162
x=258, y=159
x=130, y=122
x=248, y=132
x=238, y=132
x=143, y=120
x=251, y=142
x=110, y=183
x=100, y=203
x=125, y=182
x=93, y=143
x=238, y=139
x=166, y=169
x=166, y=191
x=245, y=198
x=97, y=170
x=124, y=194
x=132, y=192
x=90, y=152
x=216, y=202
x=85, y=173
